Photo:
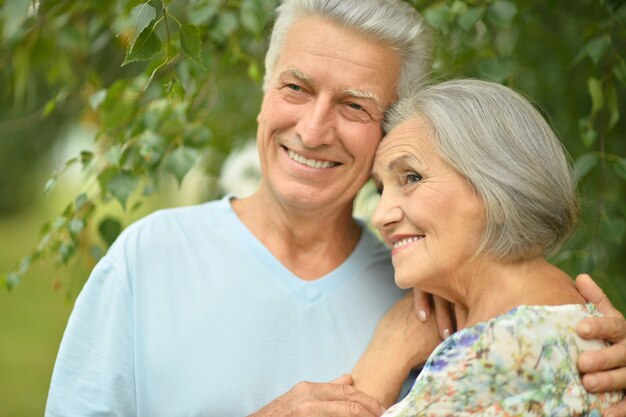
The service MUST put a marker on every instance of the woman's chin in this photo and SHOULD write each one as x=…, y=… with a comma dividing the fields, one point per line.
x=404, y=282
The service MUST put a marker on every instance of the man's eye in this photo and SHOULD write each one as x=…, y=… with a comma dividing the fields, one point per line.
x=355, y=106
x=294, y=87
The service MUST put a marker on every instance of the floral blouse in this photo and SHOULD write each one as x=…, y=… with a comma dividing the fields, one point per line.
x=522, y=363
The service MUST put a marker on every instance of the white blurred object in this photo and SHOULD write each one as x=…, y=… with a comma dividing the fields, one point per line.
x=241, y=172
x=366, y=201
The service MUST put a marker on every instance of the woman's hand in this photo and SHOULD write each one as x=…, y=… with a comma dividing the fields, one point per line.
x=605, y=369
x=400, y=343
x=443, y=312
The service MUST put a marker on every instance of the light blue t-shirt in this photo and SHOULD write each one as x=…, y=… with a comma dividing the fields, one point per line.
x=190, y=315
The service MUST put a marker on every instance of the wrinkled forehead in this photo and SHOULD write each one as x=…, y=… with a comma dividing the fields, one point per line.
x=412, y=137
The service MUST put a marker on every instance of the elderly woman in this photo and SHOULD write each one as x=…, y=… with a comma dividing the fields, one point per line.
x=476, y=190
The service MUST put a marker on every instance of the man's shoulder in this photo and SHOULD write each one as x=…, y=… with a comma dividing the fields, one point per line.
x=167, y=225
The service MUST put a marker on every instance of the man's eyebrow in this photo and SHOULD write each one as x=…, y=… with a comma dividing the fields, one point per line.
x=364, y=94
x=294, y=72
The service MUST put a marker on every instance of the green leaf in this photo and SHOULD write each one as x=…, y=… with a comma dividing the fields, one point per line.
x=469, y=19
x=152, y=147
x=459, y=8
x=596, y=48
x=122, y=185
x=198, y=136
x=11, y=280
x=191, y=43
x=147, y=46
x=438, y=17
x=114, y=155
x=85, y=158
x=14, y=13
x=50, y=184
x=496, y=69
x=250, y=20
x=109, y=230
x=620, y=168
x=140, y=17
x=613, y=229
x=226, y=23
x=49, y=107
x=66, y=250
x=201, y=13
x=613, y=106
x=253, y=72
x=80, y=201
x=96, y=252
x=24, y=265
x=180, y=161
x=97, y=98
x=584, y=164
x=588, y=134
x=620, y=71
x=595, y=91
x=502, y=13
x=75, y=226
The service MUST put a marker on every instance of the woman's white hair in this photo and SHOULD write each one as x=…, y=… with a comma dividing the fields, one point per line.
x=393, y=22
x=506, y=150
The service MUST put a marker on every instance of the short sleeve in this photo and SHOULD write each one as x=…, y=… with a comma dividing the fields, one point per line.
x=520, y=363
x=93, y=374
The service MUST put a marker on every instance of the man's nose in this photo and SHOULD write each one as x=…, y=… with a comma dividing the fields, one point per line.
x=316, y=126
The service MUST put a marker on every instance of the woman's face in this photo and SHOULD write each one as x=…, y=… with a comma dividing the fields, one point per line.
x=428, y=214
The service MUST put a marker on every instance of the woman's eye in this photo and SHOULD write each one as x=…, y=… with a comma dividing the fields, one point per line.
x=412, y=178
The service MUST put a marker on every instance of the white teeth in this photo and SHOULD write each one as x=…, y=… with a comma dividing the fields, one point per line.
x=309, y=162
x=406, y=241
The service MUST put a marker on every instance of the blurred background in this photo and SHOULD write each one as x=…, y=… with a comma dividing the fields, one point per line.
x=111, y=110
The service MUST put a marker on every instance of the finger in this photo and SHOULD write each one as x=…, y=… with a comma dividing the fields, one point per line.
x=422, y=304
x=320, y=392
x=443, y=315
x=603, y=360
x=612, y=329
x=617, y=410
x=613, y=380
x=594, y=294
x=337, y=409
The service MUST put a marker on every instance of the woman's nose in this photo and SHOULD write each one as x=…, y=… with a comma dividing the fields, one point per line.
x=387, y=214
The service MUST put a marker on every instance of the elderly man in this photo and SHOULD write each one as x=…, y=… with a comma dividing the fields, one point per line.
x=222, y=308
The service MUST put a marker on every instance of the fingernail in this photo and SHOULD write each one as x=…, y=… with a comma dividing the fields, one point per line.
x=584, y=328
x=591, y=382
x=422, y=315
x=446, y=333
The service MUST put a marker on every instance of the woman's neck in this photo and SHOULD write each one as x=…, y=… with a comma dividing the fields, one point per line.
x=494, y=288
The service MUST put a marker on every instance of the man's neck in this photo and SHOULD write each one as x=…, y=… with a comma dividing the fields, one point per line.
x=310, y=243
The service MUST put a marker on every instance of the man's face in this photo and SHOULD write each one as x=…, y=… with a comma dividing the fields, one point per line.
x=320, y=121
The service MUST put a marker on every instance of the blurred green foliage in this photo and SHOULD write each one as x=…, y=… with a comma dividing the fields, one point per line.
x=173, y=84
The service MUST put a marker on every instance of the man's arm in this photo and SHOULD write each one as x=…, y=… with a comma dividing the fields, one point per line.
x=400, y=343
x=334, y=399
x=605, y=369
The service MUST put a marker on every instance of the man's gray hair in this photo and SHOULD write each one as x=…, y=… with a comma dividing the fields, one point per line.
x=506, y=150
x=393, y=22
